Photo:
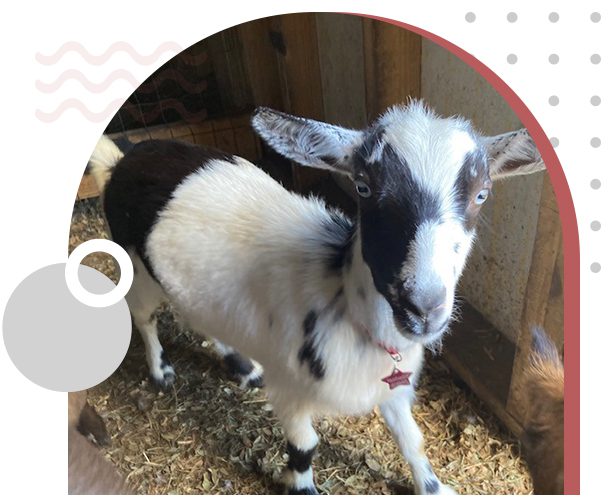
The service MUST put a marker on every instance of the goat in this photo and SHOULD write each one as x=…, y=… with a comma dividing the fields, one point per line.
x=88, y=471
x=337, y=311
x=543, y=437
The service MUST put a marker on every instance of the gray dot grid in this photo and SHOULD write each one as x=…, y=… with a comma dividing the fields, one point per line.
x=554, y=100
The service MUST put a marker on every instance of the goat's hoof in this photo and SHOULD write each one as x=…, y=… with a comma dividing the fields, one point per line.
x=302, y=491
x=257, y=381
x=165, y=381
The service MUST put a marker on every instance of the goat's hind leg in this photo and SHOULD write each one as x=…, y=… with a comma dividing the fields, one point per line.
x=245, y=371
x=144, y=298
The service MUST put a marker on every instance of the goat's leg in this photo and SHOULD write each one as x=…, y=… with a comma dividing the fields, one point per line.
x=144, y=297
x=398, y=416
x=247, y=372
x=302, y=441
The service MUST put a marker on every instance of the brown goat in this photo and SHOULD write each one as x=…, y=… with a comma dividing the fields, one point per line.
x=543, y=437
x=88, y=471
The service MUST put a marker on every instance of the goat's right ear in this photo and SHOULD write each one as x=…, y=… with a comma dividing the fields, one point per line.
x=306, y=141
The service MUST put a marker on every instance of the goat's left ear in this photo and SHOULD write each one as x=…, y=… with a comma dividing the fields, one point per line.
x=513, y=153
x=306, y=141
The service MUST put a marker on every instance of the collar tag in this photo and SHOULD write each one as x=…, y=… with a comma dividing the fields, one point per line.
x=397, y=378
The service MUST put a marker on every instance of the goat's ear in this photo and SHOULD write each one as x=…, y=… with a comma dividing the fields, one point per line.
x=513, y=153
x=306, y=141
x=542, y=347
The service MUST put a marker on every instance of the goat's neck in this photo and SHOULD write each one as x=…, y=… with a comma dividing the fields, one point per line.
x=366, y=307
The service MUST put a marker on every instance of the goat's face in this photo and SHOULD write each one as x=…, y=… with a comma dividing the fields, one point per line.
x=421, y=180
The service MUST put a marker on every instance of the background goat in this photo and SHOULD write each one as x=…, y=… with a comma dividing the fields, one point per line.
x=543, y=438
x=329, y=306
x=88, y=471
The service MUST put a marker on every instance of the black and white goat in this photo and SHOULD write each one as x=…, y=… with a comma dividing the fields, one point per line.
x=337, y=311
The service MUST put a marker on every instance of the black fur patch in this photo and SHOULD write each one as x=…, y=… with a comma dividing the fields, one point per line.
x=143, y=182
x=308, y=354
x=164, y=360
x=339, y=233
x=299, y=460
x=238, y=365
x=432, y=486
x=391, y=216
x=309, y=322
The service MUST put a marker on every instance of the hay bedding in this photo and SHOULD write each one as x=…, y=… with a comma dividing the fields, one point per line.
x=209, y=436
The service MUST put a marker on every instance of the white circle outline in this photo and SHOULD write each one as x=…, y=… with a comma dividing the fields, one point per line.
x=82, y=294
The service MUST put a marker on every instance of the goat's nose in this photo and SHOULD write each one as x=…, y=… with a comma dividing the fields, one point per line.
x=428, y=301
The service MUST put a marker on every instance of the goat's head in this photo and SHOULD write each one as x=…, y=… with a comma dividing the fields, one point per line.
x=421, y=180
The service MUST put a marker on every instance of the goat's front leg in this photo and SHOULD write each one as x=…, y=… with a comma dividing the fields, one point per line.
x=398, y=416
x=302, y=441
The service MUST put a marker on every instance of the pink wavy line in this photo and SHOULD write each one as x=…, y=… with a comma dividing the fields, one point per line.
x=95, y=117
x=120, y=74
x=121, y=46
x=75, y=74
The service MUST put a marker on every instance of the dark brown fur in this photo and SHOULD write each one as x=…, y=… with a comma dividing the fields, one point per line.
x=543, y=438
x=88, y=471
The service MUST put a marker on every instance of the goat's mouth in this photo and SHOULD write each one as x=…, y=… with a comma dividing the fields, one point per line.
x=418, y=330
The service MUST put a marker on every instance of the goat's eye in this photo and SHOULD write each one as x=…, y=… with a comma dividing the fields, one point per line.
x=362, y=188
x=482, y=196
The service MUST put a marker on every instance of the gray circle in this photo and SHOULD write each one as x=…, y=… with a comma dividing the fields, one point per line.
x=553, y=58
x=595, y=184
x=56, y=341
x=553, y=17
x=595, y=142
x=595, y=225
x=595, y=100
x=553, y=100
x=470, y=17
x=512, y=59
x=595, y=267
x=554, y=141
x=595, y=58
x=595, y=16
x=512, y=17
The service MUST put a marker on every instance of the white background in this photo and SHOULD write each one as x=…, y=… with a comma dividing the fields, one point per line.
x=41, y=163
